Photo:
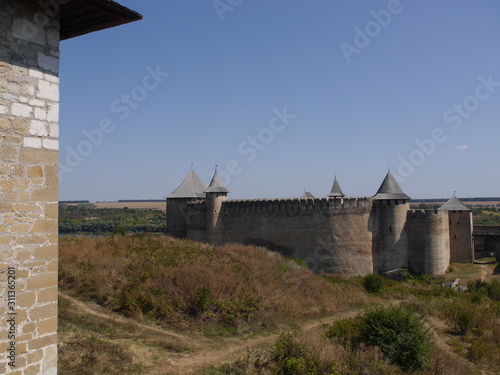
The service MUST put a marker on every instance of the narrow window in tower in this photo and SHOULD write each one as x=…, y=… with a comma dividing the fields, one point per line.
x=454, y=236
x=458, y=222
x=390, y=229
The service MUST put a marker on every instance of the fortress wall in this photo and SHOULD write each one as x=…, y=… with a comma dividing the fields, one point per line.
x=331, y=235
x=461, y=247
x=429, y=246
x=390, y=242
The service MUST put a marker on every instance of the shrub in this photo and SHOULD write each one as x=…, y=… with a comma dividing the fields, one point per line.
x=400, y=335
x=494, y=290
x=202, y=298
x=464, y=322
x=347, y=331
x=292, y=358
x=373, y=283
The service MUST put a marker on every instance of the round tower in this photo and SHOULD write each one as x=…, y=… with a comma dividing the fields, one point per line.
x=428, y=242
x=390, y=239
x=216, y=194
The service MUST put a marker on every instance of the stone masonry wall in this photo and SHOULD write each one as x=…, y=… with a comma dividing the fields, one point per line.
x=461, y=247
x=331, y=236
x=29, y=94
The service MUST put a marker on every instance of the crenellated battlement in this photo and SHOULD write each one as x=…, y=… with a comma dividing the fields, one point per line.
x=293, y=204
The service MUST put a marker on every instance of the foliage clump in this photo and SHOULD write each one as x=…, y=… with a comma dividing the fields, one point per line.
x=373, y=283
x=400, y=335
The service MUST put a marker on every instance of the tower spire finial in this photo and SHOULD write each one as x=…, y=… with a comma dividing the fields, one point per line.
x=215, y=168
x=191, y=166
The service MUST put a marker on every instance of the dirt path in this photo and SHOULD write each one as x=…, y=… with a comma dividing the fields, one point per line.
x=202, y=352
x=234, y=349
x=95, y=310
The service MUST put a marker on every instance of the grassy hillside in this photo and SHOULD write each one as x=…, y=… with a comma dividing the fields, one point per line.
x=183, y=282
x=144, y=304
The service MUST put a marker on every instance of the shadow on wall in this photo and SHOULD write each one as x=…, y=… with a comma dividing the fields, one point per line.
x=283, y=250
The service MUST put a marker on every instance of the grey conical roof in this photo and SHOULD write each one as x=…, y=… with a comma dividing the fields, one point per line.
x=454, y=204
x=216, y=185
x=307, y=195
x=336, y=191
x=191, y=187
x=390, y=189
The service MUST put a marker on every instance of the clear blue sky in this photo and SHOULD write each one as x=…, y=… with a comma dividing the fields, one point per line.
x=358, y=83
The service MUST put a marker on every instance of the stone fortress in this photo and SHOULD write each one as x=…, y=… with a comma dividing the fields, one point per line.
x=335, y=234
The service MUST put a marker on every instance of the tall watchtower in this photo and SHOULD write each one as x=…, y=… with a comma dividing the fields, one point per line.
x=179, y=216
x=460, y=216
x=216, y=193
x=390, y=239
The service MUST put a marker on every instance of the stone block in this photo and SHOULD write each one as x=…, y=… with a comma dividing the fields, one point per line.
x=13, y=139
x=44, y=195
x=20, y=126
x=43, y=312
x=43, y=280
x=35, y=171
x=51, y=211
x=41, y=342
x=32, y=142
x=47, y=90
x=30, y=240
x=22, y=110
x=40, y=114
x=37, y=156
x=33, y=370
x=51, y=176
x=46, y=252
x=7, y=185
x=51, y=144
x=4, y=124
x=5, y=207
x=9, y=153
x=47, y=295
x=53, y=113
x=47, y=326
x=38, y=128
x=45, y=226
x=49, y=63
x=27, y=30
x=26, y=299
x=20, y=228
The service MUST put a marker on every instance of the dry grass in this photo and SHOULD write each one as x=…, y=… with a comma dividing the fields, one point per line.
x=91, y=344
x=179, y=281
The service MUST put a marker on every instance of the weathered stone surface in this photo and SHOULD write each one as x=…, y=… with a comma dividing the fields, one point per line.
x=29, y=111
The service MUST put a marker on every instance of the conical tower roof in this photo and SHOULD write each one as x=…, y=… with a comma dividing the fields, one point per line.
x=307, y=195
x=454, y=204
x=216, y=185
x=191, y=187
x=390, y=189
x=336, y=191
